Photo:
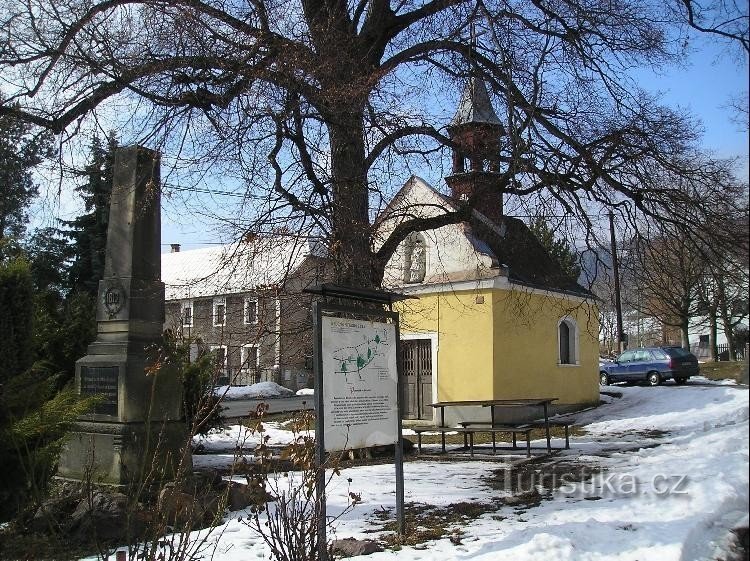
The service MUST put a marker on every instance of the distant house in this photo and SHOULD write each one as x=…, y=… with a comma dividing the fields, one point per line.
x=244, y=301
x=496, y=318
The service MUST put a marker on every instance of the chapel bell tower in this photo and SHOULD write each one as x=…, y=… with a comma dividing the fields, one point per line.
x=476, y=130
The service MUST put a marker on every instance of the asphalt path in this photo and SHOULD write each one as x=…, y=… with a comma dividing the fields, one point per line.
x=240, y=408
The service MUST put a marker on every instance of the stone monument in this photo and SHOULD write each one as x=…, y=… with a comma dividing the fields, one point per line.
x=136, y=427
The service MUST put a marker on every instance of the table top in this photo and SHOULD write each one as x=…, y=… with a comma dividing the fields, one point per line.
x=494, y=402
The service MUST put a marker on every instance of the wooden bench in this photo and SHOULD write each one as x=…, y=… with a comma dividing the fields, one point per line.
x=516, y=428
x=441, y=430
x=540, y=424
x=501, y=404
x=566, y=423
x=469, y=432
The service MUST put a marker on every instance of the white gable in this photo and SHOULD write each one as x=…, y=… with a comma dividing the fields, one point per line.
x=234, y=268
x=452, y=252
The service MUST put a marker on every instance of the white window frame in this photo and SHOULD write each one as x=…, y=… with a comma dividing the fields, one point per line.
x=219, y=302
x=244, y=355
x=249, y=301
x=573, y=342
x=185, y=305
x=226, y=356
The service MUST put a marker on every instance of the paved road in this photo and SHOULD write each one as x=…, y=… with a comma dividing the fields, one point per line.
x=242, y=407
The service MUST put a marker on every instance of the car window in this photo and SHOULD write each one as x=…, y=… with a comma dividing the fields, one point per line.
x=677, y=352
x=627, y=356
x=642, y=355
x=659, y=354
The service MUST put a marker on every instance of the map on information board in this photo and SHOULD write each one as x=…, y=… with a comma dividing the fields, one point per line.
x=360, y=383
x=366, y=358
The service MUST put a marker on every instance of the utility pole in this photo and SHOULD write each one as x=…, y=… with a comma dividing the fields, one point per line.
x=616, y=271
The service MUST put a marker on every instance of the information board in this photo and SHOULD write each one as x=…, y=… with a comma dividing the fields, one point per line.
x=360, y=383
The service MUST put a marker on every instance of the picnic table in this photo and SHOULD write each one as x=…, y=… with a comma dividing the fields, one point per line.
x=469, y=428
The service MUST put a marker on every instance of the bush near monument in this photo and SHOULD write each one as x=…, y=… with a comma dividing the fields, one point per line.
x=201, y=408
x=34, y=421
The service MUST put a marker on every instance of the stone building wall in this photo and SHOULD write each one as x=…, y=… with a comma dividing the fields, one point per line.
x=282, y=333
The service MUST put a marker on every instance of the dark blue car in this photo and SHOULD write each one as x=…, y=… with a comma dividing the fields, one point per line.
x=650, y=364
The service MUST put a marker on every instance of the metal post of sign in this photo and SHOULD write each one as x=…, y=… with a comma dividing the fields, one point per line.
x=320, y=450
x=399, y=448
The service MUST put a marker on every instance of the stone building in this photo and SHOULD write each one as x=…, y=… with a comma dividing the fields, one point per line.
x=244, y=301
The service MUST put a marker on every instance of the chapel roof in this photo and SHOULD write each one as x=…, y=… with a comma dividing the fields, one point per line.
x=475, y=105
x=508, y=242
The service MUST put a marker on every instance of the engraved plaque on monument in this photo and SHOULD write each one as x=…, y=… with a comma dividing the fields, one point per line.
x=138, y=415
x=101, y=381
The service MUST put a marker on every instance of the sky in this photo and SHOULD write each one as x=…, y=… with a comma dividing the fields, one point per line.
x=704, y=86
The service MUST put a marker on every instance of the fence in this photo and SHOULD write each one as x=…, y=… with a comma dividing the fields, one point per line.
x=704, y=351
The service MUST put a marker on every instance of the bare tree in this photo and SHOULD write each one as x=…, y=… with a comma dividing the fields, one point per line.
x=732, y=299
x=722, y=18
x=666, y=271
x=724, y=288
x=343, y=97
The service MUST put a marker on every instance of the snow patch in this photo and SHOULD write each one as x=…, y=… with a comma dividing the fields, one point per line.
x=259, y=390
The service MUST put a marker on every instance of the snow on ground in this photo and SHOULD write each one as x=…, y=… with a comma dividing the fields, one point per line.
x=261, y=389
x=674, y=481
x=238, y=438
x=306, y=391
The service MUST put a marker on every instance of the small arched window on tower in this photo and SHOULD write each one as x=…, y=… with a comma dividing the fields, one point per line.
x=415, y=258
x=567, y=336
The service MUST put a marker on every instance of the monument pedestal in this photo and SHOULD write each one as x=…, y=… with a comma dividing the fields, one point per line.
x=136, y=430
x=124, y=454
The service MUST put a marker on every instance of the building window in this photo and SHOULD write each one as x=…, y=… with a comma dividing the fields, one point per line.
x=251, y=311
x=220, y=312
x=249, y=356
x=250, y=361
x=186, y=313
x=221, y=358
x=567, y=336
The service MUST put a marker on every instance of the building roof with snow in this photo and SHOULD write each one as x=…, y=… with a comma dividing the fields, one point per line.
x=235, y=268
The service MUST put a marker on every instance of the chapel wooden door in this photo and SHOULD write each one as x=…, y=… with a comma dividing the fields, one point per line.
x=417, y=361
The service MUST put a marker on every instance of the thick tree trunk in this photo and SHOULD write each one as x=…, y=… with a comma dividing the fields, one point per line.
x=351, y=251
x=344, y=74
x=685, y=335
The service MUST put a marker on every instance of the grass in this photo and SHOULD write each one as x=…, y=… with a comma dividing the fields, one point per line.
x=426, y=523
x=21, y=545
x=728, y=370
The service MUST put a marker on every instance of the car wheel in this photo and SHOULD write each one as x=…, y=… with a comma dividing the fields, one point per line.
x=680, y=381
x=603, y=379
x=654, y=379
